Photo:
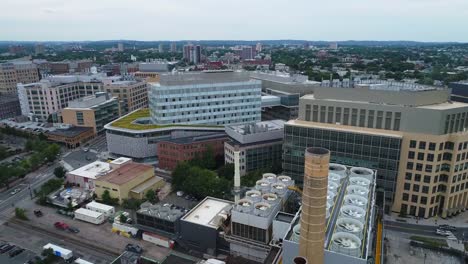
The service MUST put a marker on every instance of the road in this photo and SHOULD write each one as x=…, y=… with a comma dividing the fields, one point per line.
x=32, y=182
x=422, y=229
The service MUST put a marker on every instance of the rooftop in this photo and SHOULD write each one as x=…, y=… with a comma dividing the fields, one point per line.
x=259, y=127
x=90, y=101
x=88, y=212
x=210, y=212
x=126, y=173
x=144, y=186
x=128, y=122
x=169, y=213
x=209, y=77
x=92, y=170
x=70, y=132
x=189, y=140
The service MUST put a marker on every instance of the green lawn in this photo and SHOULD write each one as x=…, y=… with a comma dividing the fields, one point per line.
x=127, y=122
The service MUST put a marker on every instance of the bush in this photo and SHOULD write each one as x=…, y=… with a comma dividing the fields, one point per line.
x=132, y=204
x=50, y=186
x=20, y=213
x=107, y=198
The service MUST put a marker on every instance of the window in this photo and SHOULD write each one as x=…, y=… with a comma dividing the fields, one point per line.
x=420, y=156
x=407, y=186
x=416, y=188
x=417, y=177
x=79, y=118
x=422, y=145
x=427, y=178
x=425, y=189
x=419, y=166
x=405, y=197
x=423, y=200
x=409, y=165
x=411, y=155
x=412, y=144
x=408, y=176
x=432, y=146
x=414, y=198
x=307, y=112
x=430, y=157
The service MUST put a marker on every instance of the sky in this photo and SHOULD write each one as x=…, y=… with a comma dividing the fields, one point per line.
x=329, y=20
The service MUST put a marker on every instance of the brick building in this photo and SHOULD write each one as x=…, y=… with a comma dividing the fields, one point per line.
x=173, y=151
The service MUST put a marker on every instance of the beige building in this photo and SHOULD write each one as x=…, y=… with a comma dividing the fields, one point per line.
x=51, y=95
x=148, y=76
x=412, y=135
x=12, y=73
x=92, y=111
x=130, y=180
x=132, y=95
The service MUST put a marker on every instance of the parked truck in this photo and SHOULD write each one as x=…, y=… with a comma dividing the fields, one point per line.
x=59, y=251
x=158, y=240
x=105, y=209
x=89, y=216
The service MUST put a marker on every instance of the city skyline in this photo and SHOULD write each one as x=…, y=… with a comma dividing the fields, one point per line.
x=52, y=20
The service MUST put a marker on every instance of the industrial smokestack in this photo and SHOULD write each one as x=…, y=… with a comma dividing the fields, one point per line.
x=300, y=260
x=236, y=174
x=314, y=202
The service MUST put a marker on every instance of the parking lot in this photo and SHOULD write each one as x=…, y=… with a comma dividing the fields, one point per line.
x=22, y=258
x=93, y=234
x=80, y=158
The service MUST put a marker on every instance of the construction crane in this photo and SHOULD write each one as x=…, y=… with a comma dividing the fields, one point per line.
x=295, y=189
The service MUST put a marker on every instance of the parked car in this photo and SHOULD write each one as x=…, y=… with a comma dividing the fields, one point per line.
x=443, y=232
x=6, y=248
x=16, y=252
x=38, y=213
x=73, y=229
x=61, y=225
x=180, y=193
x=134, y=248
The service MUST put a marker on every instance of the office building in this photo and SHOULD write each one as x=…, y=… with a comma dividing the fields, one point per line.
x=208, y=98
x=258, y=47
x=281, y=92
x=128, y=180
x=459, y=91
x=244, y=52
x=92, y=111
x=154, y=66
x=161, y=48
x=174, y=151
x=411, y=134
x=192, y=53
x=12, y=73
x=160, y=218
x=9, y=106
x=260, y=145
x=70, y=136
x=147, y=76
x=41, y=99
x=120, y=47
x=16, y=49
x=85, y=176
x=131, y=94
x=135, y=136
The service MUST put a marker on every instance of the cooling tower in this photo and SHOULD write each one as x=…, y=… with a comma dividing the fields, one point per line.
x=314, y=201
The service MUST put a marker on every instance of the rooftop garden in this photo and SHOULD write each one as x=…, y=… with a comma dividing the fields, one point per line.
x=128, y=122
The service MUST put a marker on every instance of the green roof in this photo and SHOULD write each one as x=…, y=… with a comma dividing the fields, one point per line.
x=127, y=122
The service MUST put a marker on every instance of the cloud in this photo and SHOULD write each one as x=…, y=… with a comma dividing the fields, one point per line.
x=49, y=10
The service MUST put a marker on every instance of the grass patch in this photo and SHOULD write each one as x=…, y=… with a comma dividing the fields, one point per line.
x=430, y=241
x=127, y=122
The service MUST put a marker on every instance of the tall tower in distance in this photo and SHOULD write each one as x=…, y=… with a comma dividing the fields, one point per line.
x=314, y=200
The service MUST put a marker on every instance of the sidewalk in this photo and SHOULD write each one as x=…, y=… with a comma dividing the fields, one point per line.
x=460, y=220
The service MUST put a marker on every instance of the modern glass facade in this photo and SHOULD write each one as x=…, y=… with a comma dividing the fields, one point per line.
x=378, y=152
x=263, y=156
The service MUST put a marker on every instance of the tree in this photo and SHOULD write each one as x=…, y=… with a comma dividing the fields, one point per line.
x=179, y=174
x=20, y=213
x=107, y=198
x=151, y=196
x=60, y=172
x=226, y=171
x=123, y=218
x=132, y=204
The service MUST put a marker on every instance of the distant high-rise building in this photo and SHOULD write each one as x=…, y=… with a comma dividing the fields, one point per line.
x=192, y=53
x=120, y=47
x=39, y=48
x=173, y=47
x=258, y=47
x=333, y=46
x=15, y=72
x=244, y=52
x=161, y=47
x=16, y=49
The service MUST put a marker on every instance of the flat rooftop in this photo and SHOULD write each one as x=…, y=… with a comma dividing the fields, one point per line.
x=144, y=186
x=194, y=139
x=126, y=173
x=259, y=127
x=209, y=212
x=209, y=77
x=92, y=170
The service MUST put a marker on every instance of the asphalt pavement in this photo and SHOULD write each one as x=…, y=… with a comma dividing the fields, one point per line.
x=461, y=233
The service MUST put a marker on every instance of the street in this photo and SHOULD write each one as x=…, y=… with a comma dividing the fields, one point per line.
x=422, y=229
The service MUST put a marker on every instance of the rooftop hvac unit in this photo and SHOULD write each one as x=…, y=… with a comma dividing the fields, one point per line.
x=359, y=181
x=270, y=177
x=279, y=188
x=350, y=225
x=296, y=235
x=270, y=198
x=254, y=195
x=327, y=212
x=330, y=195
x=263, y=186
x=286, y=180
x=332, y=186
x=353, y=212
x=358, y=190
x=362, y=172
x=244, y=205
x=333, y=177
x=356, y=200
x=338, y=169
x=262, y=209
x=346, y=243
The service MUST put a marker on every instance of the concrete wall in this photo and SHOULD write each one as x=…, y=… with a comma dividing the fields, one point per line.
x=135, y=147
x=199, y=237
x=69, y=117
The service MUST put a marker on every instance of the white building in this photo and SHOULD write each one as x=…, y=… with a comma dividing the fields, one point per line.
x=84, y=177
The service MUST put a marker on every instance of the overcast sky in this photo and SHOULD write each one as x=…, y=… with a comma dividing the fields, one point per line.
x=419, y=20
